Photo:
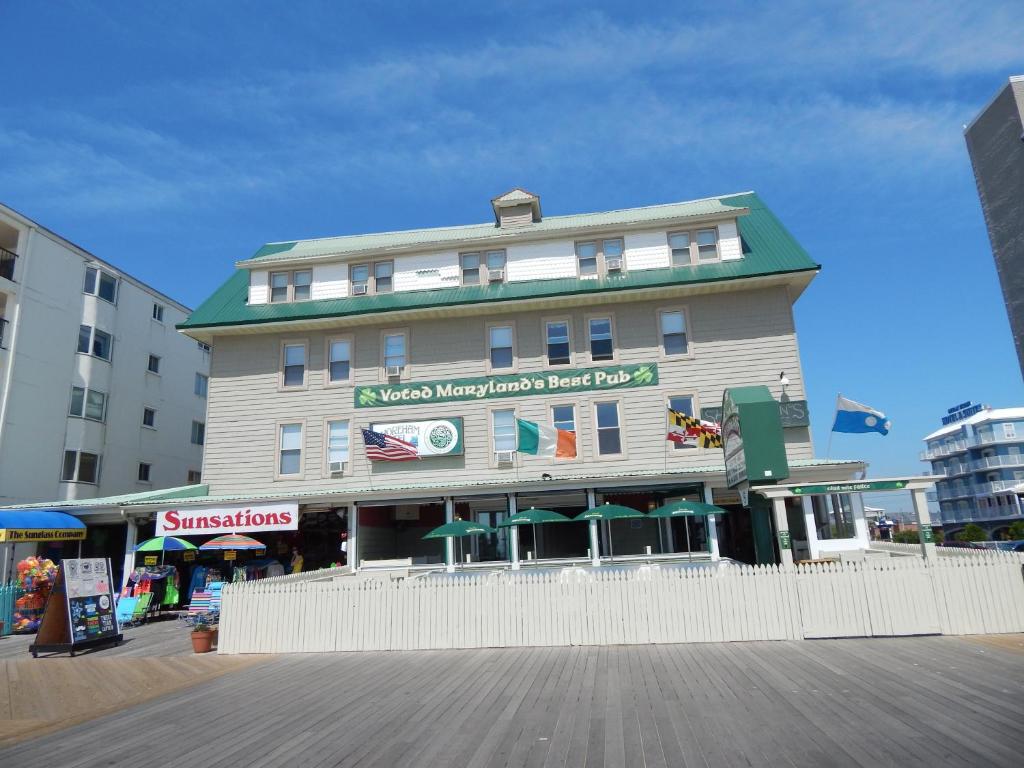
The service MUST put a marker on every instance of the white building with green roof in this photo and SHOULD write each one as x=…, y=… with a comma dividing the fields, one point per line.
x=456, y=339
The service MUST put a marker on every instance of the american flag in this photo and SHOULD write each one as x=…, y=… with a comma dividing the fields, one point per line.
x=381, y=447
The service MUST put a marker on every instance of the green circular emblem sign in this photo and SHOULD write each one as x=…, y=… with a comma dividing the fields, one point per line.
x=441, y=437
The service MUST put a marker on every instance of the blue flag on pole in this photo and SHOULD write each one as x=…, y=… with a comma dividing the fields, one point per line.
x=855, y=417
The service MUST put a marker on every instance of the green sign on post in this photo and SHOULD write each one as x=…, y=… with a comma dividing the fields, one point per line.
x=508, y=385
x=785, y=540
x=926, y=534
x=867, y=485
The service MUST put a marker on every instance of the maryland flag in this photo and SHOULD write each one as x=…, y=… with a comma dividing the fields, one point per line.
x=688, y=429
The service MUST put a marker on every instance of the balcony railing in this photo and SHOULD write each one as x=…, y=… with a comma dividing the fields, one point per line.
x=7, y=259
x=954, y=446
x=994, y=462
x=979, y=440
x=997, y=486
x=954, y=491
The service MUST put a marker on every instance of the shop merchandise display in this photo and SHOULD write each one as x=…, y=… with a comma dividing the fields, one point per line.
x=35, y=576
x=160, y=580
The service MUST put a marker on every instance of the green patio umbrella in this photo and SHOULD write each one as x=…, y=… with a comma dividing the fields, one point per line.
x=608, y=511
x=163, y=544
x=533, y=516
x=458, y=529
x=686, y=508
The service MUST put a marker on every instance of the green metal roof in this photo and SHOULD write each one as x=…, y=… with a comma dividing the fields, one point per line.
x=175, y=494
x=124, y=500
x=341, y=246
x=768, y=249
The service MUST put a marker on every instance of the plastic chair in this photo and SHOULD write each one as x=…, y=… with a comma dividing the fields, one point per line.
x=141, y=607
x=125, y=610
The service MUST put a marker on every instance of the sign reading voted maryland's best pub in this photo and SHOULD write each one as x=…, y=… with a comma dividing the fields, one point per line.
x=440, y=437
x=508, y=385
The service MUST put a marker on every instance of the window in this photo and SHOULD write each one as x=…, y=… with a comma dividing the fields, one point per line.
x=602, y=345
x=100, y=283
x=609, y=439
x=382, y=273
x=679, y=243
x=503, y=430
x=278, y=286
x=203, y=346
x=673, y=332
x=80, y=467
x=495, y=262
x=194, y=477
x=682, y=404
x=612, y=249
x=202, y=385
x=394, y=350
x=557, y=336
x=564, y=417
x=833, y=517
x=158, y=313
x=470, y=268
x=339, y=360
x=302, y=285
x=499, y=345
x=93, y=341
x=290, y=459
x=294, y=374
x=586, y=259
x=88, y=404
x=144, y=470
x=154, y=364
x=707, y=245
x=337, y=442
x=149, y=417
x=198, y=433
x=382, y=276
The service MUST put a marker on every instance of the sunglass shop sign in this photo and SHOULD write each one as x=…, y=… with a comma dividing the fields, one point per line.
x=251, y=518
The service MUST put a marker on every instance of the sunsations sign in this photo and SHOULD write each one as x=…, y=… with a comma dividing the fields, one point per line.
x=509, y=385
x=253, y=518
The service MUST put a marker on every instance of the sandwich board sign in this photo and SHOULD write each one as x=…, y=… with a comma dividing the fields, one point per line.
x=80, y=612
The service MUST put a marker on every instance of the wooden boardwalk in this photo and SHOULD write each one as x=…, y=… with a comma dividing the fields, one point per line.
x=881, y=702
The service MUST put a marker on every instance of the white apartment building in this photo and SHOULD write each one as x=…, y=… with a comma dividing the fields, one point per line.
x=99, y=394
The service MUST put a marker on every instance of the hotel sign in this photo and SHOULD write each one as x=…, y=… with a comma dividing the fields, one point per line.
x=251, y=518
x=440, y=437
x=508, y=385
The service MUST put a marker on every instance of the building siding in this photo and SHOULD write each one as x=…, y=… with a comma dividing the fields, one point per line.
x=742, y=338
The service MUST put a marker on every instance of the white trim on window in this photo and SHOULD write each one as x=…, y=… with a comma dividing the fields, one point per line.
x=328, y=344
x=513, y=367
x=283, y=365
x=280, y=449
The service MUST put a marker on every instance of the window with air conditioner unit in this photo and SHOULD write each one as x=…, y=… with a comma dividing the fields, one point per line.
x=337, y=446
x=503, y=435
x=372, y=278
x=504, y=457
x=614, y=265
x=394, y=353
x=597, y=257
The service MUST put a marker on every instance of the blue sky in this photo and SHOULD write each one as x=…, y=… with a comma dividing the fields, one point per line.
x=173, y=139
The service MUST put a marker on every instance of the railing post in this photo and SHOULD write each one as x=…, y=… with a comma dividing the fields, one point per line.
x=924, y=524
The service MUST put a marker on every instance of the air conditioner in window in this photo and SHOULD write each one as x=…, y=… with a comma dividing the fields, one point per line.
x=614, y=265
x=504, y=457
x=359, y=289
x=394, y=371
x=336, y=467
x=496, y=275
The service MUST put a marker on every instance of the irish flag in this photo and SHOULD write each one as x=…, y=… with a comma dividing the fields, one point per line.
x=542, y=440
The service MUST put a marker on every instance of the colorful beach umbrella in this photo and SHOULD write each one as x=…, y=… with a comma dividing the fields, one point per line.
x=533, y=516
x=609, y=511
x=458, y=529
x=687, y=508
x=163, y=544
x=233, y=541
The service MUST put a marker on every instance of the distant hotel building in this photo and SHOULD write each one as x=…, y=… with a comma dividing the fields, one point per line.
x=99, y=393
x=980, y=450
x=995, y=142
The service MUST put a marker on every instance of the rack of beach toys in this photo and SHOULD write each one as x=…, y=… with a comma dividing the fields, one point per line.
x=36, y=576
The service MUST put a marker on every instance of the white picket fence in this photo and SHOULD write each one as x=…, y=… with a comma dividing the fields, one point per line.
x=890, y=596
x=915, y=549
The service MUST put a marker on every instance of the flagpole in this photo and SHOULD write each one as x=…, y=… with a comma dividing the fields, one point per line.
x=832, y=429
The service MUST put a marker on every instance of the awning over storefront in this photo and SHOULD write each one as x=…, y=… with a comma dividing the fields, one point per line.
x=18, y=525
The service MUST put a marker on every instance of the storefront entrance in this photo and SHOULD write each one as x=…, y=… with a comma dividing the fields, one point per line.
x=554, y=540
x=391, y=531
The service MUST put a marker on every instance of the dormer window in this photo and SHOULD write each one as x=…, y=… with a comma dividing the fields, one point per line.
x=377, y=277
x=482, y=267
x=697, y=247
x=600, y=257
x=291, y=286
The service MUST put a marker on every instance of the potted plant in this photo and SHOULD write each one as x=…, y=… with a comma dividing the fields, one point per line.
x=202, y=638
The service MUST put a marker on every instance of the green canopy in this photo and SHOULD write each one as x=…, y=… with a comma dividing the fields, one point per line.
x=608, y=511
x=532, y=516
x=459, y=528
x=686, y=508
